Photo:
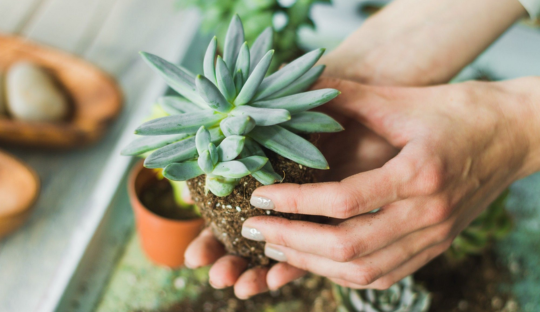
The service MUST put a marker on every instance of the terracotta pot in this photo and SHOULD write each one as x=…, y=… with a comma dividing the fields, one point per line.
x=163, y=240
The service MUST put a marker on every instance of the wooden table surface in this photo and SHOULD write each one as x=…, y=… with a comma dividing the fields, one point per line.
x=36, y=261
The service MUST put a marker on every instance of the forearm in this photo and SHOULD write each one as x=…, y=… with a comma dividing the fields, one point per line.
x=421, y=42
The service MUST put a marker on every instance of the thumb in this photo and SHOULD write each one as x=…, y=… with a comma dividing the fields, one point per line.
x=380, y=108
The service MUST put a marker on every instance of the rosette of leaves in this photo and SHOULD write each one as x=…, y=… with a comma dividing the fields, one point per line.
x=258, y=15
x=404, y=296
x=232, y=111
x=491, y=225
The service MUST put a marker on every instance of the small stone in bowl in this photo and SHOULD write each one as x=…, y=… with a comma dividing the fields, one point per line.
x=32, y=94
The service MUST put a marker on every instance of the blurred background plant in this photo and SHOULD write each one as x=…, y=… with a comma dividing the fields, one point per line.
x=286, y=17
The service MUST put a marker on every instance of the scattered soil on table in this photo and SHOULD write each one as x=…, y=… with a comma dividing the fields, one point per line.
x=308, y=294
x=472, y=285
x=158, y=197
x=225, y=215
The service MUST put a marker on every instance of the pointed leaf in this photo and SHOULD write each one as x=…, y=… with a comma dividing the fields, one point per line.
x=243, y=61
x=148, y=143
x=301, y=101
x=231, y=169
x=205, y=162
x=266, y=175
x=212, y=149
x=179, y=151
x=174, y=105
x=312, y=122
x=262, y=44
x=178, y=79
x=254, y=163
x=239, y=125
x=289, y=145
x=238, y=81
x=211, y=95
x=230, y=147
x=301, y=84
x=254, y=80
x=221, y=186
x=202, y=139
x=233, y=41
x=183, y=171
x=185, y=123
x=225, y=80
x=285, y=76
x=208, y=63
x=263, y=116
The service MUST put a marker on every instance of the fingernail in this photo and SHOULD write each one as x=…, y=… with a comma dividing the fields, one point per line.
x=214, y=286
x=262, y=202
x=189, y=265
x=275, y=254
x=252, y=233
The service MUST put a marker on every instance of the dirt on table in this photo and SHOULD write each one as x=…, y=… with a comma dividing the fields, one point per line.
x=472, y=285
x=308, y=294
x=225, y=215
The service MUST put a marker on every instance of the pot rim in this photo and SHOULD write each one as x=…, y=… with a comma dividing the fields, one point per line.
x=135, y=171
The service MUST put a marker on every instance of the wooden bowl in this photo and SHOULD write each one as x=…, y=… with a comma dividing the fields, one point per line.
x=94, y=97
x=19, y=189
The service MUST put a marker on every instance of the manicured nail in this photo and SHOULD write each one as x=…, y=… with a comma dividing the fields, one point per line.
x=189, y=265
x=253, y=234
x=275, y=254
x=262, y=202
x=214, y=286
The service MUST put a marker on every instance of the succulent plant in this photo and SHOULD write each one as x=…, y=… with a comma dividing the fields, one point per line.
x=227, y=115
x=491, y=225
x=404, y=296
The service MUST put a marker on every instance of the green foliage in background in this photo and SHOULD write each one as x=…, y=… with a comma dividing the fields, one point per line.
x=256, y=16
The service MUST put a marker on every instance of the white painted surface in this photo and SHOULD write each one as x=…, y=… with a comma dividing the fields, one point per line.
x=37, y=262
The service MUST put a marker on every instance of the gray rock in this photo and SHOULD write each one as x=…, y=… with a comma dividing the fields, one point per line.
x=32, y=94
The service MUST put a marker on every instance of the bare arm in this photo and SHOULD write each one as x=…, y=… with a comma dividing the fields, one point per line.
x=421, y=42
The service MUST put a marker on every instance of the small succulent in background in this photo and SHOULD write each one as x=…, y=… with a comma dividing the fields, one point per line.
x=235, y=109
x=404, y=296
x=286, y=17
x=492, y=225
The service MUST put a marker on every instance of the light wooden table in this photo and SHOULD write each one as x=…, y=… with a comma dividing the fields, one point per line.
x=39, y=263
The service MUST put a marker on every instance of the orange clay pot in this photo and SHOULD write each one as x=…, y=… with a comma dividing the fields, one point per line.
x=163, y=240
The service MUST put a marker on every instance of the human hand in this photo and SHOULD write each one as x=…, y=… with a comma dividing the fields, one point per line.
x=461, y=145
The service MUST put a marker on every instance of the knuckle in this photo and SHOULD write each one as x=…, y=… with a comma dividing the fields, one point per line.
x=444, y=234
x=384, y=283
x=344, y=205
x=432, y=177
x=366, y=275
x=440, y=211
x=343, y=252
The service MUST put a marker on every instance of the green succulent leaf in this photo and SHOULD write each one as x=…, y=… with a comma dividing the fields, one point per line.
x=182, y=171
x=254, y=163
x=288, y=74
x=231, y=169
x=263, y=116
x=239, y=125
x=301, y=101
x=312, y=122
x=221, y=186
x=230, y=147
x=208, y=63
x=175, y=105
x=177, y=78
x=148, y=143
x=225, y=80
x=179, y=151
x=289, y=145
x=233, y=41
x=301, y=84
x=202, y=139
x=261, y=46
x=254, y=80
x=266, y=175
x=242, y=64
x=205, y=162
x=185, y=123
x=211, y=94
x=212, y=149
x=238, y=81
